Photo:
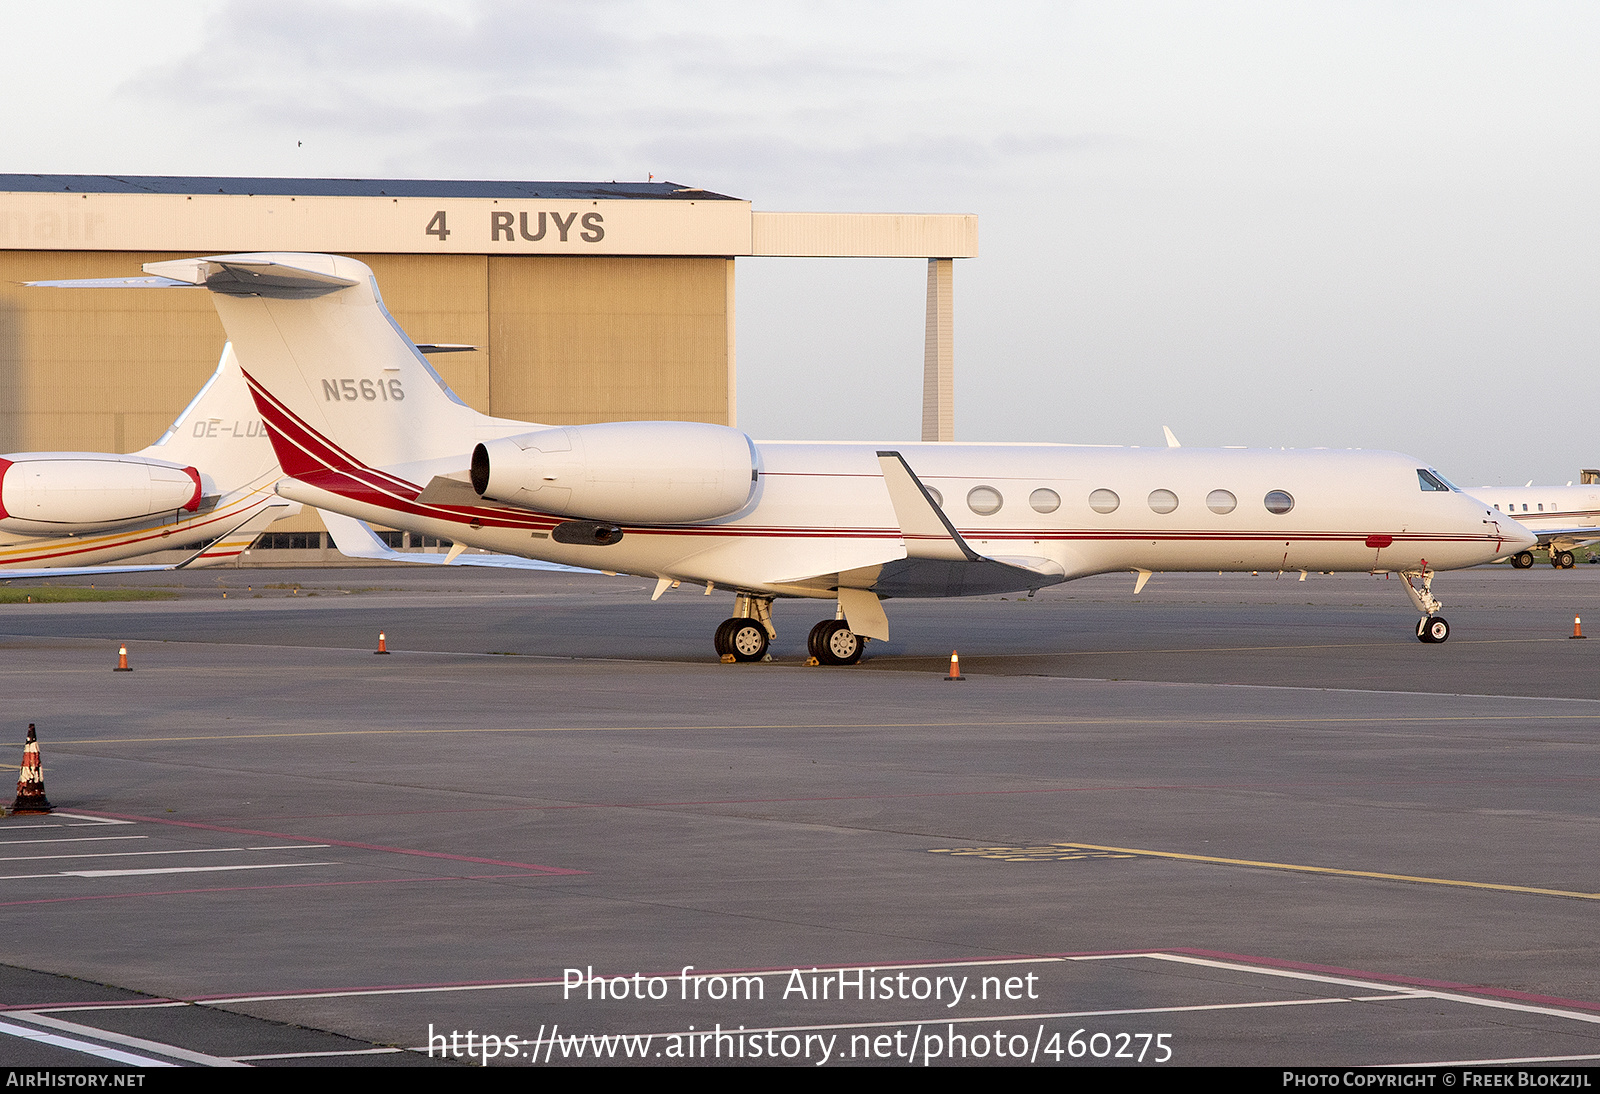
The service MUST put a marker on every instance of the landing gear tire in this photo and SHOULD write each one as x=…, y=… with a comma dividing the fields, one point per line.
x=815, y=639
x=1564, y=560
x=1433, y=628
x=832, y=642
x=1523, y=560
x=746, y=639
x=720, y=639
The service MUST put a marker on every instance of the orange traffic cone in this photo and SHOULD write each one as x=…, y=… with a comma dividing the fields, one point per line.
x=30, y=783
x=1577, y=628
x=383, y=643
x=122, y=660
x=955, y=667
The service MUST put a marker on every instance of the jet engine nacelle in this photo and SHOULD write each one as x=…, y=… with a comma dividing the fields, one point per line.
x=628, y=472
x=55, y=492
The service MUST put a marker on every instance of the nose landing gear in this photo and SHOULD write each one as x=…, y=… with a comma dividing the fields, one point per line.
x=1432, y=627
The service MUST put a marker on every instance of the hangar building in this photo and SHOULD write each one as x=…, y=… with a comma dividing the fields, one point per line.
x=587, y=301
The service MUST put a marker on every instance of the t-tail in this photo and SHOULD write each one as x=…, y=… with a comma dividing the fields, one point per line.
x=312, y=329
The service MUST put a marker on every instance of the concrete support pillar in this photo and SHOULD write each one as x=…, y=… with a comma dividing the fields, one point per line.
x=733, y=365
x=938, y=357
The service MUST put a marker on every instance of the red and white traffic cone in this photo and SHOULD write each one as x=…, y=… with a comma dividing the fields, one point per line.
x=955, y=667
x=30, y=783
x=1577, y=628
x=122, y=660
x=383, y=643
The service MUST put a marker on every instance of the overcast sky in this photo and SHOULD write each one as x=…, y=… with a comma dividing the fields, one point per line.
x=1346, y=224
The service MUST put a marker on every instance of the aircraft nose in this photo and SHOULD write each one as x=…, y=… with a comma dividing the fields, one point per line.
x=1517, y=537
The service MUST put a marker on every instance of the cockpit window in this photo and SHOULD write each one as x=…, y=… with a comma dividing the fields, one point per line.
x=1432, y=480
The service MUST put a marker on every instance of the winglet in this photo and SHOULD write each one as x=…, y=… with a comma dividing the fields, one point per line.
x=927, y=531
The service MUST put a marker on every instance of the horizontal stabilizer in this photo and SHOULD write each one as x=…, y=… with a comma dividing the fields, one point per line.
x=112, y=283
x=254, y=274
x=444, y=490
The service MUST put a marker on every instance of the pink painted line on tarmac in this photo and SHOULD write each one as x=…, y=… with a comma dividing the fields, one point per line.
x=525, y=981
x=952, y=794
x=252, y=888
x=1387, y=978
x=150, y=1001
x=333, y=842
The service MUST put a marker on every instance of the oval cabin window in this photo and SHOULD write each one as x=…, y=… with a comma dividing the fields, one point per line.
x=1104, y=501
x=1044, y=500
x=1279, y=501
x=1221, y=501
x=984, y=500
x=1163, y=501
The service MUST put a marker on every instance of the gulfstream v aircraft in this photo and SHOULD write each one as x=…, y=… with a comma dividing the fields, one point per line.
x=206, y=484
x=363, y=426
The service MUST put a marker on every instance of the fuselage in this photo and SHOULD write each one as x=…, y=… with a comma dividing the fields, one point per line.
x=822, y=509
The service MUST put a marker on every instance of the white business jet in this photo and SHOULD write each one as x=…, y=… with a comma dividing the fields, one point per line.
x=206, y=484
x=1563, y=517
x=363, y=426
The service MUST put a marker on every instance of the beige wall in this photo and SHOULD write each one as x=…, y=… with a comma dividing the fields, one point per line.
x=103, y=370
x=562, y=340
x=609, y=339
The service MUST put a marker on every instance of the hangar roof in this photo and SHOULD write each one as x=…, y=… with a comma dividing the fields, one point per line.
x=392, y=188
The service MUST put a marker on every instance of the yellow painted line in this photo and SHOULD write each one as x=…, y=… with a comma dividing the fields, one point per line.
x=1370, y=874
x=1519, y=717
x=1260, y=649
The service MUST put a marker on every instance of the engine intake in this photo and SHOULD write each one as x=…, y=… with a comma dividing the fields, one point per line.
x=625, y=472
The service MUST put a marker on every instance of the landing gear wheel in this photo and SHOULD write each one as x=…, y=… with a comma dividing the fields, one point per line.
x=836, y=643
x=1565, y=560
x=720, y=639
x=1523, y=560
x=816, y=638
x=747, y=640
x=1433, y=628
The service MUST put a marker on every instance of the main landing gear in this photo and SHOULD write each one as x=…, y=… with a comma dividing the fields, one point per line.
x=1561, y=560
x=832, y=642
x=747, y=635
x=1432, y=627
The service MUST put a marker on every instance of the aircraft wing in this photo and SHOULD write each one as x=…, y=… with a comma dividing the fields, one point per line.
x=83, y=571
x=225, y=547
x=1569, y=538
x=938, y=560
x=356, y=539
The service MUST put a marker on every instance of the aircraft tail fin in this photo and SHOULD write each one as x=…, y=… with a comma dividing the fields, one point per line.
x=313, y=331
x=220, y=433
